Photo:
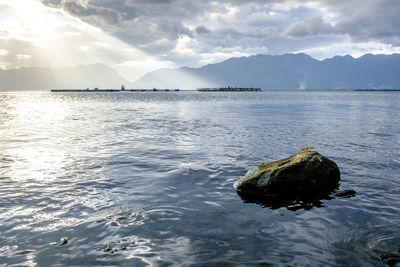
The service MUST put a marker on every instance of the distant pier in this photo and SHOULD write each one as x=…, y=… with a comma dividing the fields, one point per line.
x=377, y=90
x=220, y=89
x=112, y=90
x=229, y=89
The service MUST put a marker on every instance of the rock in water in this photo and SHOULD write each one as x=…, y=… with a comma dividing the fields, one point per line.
x=304, y=173
x=345, y=193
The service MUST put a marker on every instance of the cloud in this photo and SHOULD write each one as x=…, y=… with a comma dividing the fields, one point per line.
x=346, y=48
x=34, y=35
x=4, y=33
x=192, y=32
x=22, y=56
x=3, y=52
x=150, y=25
x=362, y=21
x=311, y=27
x=374, y=21
x=156, y=26
x=202, y=30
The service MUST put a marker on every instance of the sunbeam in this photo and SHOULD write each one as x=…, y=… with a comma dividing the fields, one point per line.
x=36, y=35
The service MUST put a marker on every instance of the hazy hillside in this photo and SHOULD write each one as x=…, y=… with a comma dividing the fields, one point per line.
x=289, y=71
x=96, y=75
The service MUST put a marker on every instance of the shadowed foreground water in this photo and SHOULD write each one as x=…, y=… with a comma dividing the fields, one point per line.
x=154, y=171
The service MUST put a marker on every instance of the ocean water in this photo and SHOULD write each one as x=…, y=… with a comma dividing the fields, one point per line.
x=151, y=175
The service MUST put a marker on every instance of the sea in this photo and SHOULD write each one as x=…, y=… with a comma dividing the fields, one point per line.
x=146, y=178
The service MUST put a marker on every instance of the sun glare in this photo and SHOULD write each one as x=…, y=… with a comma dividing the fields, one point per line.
x=32, y=163
x=29, y=20
x=36, y=35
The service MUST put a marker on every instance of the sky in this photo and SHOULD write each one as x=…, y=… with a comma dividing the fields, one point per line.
x=138, y=36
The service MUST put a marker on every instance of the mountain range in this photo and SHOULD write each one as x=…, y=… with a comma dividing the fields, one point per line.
x=289, y=71
x=81, y=76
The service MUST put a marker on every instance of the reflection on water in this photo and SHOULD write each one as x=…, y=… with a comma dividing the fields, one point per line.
x=293, y=203
x=151, y=175
x=27, y=127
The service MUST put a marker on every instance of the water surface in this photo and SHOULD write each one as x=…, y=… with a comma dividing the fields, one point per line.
x=155, y=172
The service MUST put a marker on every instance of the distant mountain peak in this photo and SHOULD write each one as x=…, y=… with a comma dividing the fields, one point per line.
x=288, y=71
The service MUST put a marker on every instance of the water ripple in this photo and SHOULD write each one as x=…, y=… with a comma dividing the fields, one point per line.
x=150, y=176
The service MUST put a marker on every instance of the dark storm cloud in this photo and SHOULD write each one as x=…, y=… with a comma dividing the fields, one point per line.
x=156, y=26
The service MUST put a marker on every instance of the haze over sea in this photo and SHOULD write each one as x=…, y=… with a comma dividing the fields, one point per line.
x=155, y=172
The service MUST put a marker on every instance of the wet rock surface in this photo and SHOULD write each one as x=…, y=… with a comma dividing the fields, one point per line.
x=62, y=242
x=304, y=174
x=345, y=193
x=391, y=259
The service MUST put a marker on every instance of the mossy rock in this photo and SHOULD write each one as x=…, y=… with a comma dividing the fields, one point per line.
x=301, y=174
